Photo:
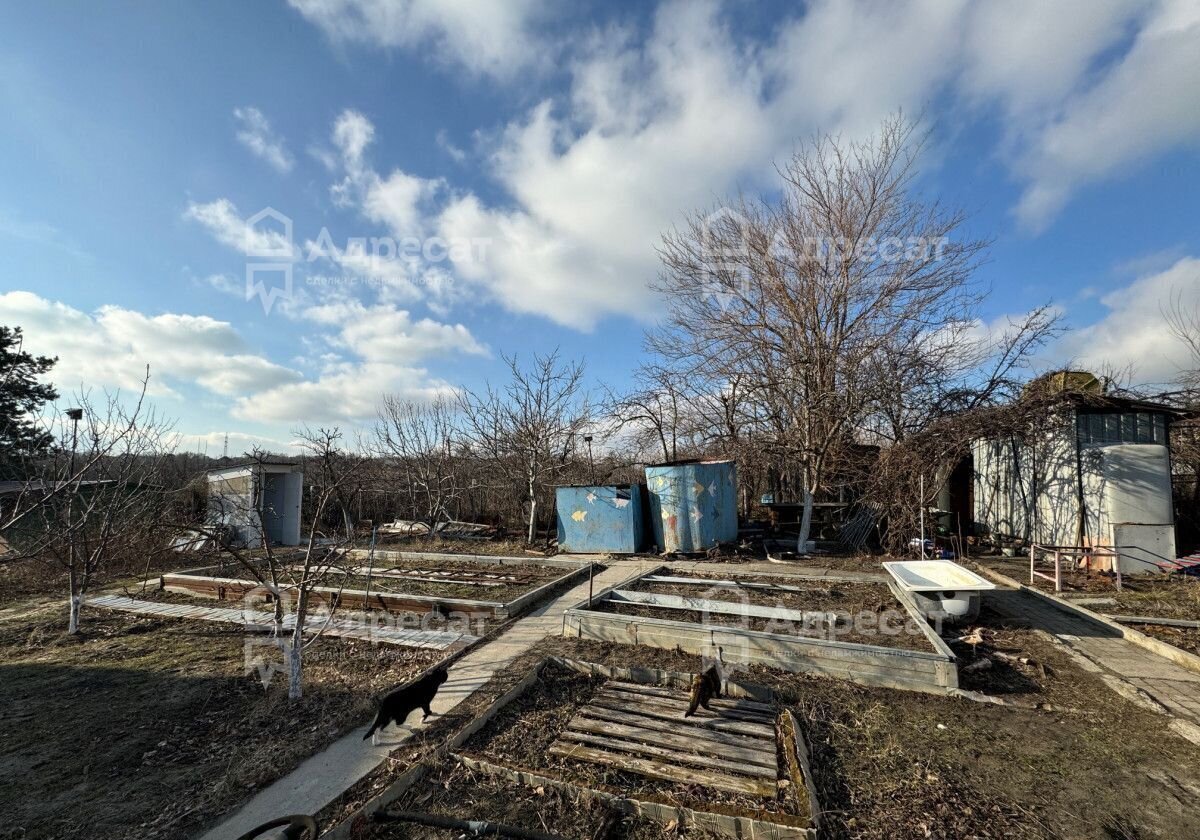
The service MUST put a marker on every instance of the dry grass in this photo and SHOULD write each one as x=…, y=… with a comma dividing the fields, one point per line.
x=895, y=764
x=149, y=728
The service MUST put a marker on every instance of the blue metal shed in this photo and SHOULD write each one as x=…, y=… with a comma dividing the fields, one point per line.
x=600, y=519
x=693, y=504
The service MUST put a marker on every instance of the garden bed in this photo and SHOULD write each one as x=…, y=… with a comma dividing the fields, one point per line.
x=630, y=740
x=883, y=642
x=493, y=587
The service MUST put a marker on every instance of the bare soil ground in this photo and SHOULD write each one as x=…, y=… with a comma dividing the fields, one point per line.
x=21, y=581
x=150, y=728
x=533, y=574
x=1185, y=638
x=452, y=545
x=896, y=764
x=456, y=791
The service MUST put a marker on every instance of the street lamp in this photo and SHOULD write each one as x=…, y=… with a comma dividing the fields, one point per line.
x=591, y=465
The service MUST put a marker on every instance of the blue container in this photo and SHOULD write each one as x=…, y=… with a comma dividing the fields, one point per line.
x=693, y=504
x=600, y=520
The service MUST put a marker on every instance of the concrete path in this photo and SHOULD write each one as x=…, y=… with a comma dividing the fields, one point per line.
x=1171, y=685
x=322, y=778
x=346, y=627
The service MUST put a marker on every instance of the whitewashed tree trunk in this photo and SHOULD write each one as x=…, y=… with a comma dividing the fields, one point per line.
x=295, y=665
x=532, y=511
x=76, y=602
x=805, y=523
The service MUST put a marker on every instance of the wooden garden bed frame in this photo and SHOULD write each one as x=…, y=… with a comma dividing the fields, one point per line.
x=194, y=582
x=934, y=671
x=799, y=763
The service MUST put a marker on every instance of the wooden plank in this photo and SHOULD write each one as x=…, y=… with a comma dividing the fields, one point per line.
x=609, y=710
x=665, y=772
x=676, y=756
x=759, y=753
x=741, y=704
x=672, y=710
x=676, y=706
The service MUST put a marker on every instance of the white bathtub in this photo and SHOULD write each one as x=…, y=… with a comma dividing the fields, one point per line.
x=943, y=590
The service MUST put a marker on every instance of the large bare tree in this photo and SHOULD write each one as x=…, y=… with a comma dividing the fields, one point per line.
x=415, y=442
x=816, y=313
x=533, y=421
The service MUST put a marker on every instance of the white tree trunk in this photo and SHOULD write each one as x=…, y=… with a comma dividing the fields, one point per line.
x=805, y=523
x=295, y=665
x=532, y=519
x=76, y=602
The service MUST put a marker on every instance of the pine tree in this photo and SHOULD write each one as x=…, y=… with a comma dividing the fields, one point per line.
x=21, y=399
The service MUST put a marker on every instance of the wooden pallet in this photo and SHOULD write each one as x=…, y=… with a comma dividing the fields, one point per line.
x=641, y=729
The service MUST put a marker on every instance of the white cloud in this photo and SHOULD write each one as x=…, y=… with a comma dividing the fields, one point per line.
x=1134, y=332
x=344, y=393
x=213, y=444
x=222, y=220
x=112, y=346
x=387, y=345
x=382, y=333
x=486, y=38
x=254, y=132
x=1147, y=103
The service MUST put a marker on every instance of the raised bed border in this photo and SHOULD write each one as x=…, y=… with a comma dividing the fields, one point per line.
x=1180, y=657
x=796, y=651
x=360, y=598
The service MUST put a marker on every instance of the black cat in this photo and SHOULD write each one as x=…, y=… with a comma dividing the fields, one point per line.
x=399, y=704
x=705, y=687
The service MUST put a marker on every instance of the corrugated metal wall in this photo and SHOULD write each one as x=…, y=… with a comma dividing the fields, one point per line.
x=600, y=519
x=693, y=505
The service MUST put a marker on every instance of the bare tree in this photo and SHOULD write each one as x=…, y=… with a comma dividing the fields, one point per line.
x=107, y=508
x=534, y=421
x=654, y=410
x=416, y=443
x=797, y=300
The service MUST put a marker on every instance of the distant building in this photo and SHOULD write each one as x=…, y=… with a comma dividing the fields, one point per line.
x=1096, y=473
x=256, y=499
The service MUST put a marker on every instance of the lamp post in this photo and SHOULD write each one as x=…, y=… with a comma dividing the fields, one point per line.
x=591, y=466
x=74, y=415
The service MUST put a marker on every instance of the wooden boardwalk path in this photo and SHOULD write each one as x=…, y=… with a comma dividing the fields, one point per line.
x=435, y=639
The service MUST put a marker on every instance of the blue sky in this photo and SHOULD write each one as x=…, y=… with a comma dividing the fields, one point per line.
x=552, y=145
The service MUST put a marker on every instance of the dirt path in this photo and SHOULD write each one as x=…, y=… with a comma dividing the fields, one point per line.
x=322, y=778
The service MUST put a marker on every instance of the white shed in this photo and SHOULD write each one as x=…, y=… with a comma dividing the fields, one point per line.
x=258, y=499
x=1098, y=475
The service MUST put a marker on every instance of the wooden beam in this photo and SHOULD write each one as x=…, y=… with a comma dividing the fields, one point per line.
x=757, y=770
x=618, y=713
x=676, y=706
x=739, y=703
x=759, y=754
x=666, y=772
